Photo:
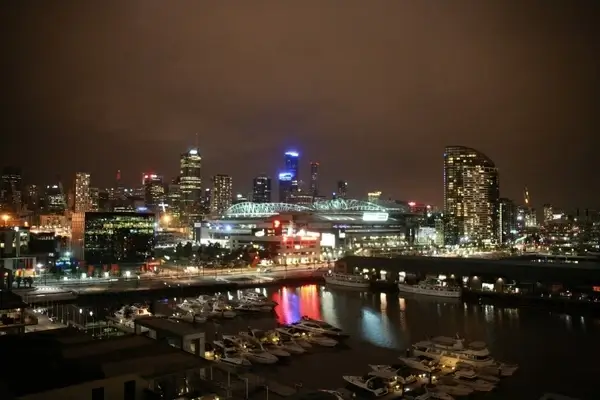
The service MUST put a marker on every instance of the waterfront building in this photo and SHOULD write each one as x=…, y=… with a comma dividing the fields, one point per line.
x=507, y=220
x=118, y=237
x=471, y=193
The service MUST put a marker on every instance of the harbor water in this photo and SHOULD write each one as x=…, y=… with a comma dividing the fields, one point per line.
x=554, y=351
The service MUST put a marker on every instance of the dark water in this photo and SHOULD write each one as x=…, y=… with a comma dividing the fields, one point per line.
x=556, y=353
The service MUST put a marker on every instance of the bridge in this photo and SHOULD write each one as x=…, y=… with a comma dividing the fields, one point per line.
x=582, y=273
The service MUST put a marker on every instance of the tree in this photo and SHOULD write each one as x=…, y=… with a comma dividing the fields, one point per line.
x=187, y=250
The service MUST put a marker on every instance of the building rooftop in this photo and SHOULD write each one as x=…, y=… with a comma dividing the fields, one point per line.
x=9, y=300
x=79, y=358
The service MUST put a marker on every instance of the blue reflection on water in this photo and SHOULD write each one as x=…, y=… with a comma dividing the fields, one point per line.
x=376, y=329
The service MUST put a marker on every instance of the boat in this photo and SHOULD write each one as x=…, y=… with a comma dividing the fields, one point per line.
x=470, y=378
x=400, y=370
x=251, y=307
x=454, y=350
x=251, y=350
x=333, y=394
x=451, y=386
x=305, y=337
x=132, y=312
x=415, y=363
x=274, y=338
x=189, y=317
x=422, y=393
x=227, y=354
x=259, y=337
x=256, y=298
x=480, y=373
x=221, y=309
x=431, y=288
x=319, y=327
x=374, y=385
x=347, y=280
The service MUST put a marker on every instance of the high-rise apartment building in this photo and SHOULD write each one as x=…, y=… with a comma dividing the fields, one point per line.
x=507, y=220
x=222, y=193
x=10, y=189
x=314, y=179
x=154, y=191
x=261, y=189
x=82, y=200
x=94, y=199
x=471, y=192
x=190, y=185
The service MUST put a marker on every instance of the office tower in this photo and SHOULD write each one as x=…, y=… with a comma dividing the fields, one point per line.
x=342, y=190
x=314, y=179
x=548, y=213
x=507, y=220
x=205, y=200
x=292, y=162
x=82, y=201
x=32, y=197
x=94, y=199
x=55, y=201
x=154, y=191
x=374, y=197
x=174, y=199
x=471, y=192
x=285, y=180
x=221, y=194
x=261, y=189
x=10, y=190
x=190, y=186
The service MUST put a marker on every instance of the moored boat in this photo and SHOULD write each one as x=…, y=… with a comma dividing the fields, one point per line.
x=347, y=280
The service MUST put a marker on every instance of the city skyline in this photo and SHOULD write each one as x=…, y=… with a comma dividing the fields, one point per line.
x=375, y=107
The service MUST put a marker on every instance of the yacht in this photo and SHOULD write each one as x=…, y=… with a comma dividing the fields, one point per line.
x=431, y=288
x=306, y=339
x=415, y=363
x=374, y=385
x=405, y=376
x=452, y=387
x=256, y=298
x=319, y=327
x=480, y=373
x=251, y=350
x=422, y=393
x=224, y=310
x=347, y=280
x=189, y=317
x=262, y=340
x=470, y=378
x=274, y=339
x=454, y=350
x=332, y=394
x=132, y=312
x=251, y=307
x=227, y=354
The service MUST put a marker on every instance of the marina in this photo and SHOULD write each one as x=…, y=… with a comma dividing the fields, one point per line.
x=346, y=333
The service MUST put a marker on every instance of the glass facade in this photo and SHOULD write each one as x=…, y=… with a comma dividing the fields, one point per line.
x=190, y=185
x=118, y=238
x=471, y=193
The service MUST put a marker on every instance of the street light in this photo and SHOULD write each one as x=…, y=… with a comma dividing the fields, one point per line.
x=5, y=218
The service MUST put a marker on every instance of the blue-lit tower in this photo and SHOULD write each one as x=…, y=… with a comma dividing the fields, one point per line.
x=288, y=178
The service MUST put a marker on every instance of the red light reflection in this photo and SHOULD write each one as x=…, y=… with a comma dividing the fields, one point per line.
x=293, y=304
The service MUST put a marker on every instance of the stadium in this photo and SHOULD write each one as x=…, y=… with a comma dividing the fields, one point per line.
x=310, y=233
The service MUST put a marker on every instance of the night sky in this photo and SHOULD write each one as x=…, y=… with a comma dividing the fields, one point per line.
x=373, y=90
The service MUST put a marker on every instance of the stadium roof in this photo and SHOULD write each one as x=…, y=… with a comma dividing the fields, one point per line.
x=249, y=209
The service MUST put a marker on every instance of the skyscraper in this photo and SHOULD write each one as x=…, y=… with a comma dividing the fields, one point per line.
x=471, y=192
x=314, y=179
x=261, y=189
x=154, y=191
x=285, y=180
x=292, y=161
x=190, y=185
x=10, y=189
x=507, y=220
x=222, y=193
x=82, y=192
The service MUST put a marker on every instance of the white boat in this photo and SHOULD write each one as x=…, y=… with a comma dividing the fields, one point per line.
x=189, y=317
x=251, y=350
x=454, y=350
x=480, y=373
x=421, y=393
x=306, y=337
x=405, y=376
x=347, y=280
x=132, y=312
x=259, y=337
x=319, y=327
x=470, y=378
x=451, y=386
x=334, y=394
x=431, y=288
x=287, y=343
x=374, y=385
x=415, y=363
x=227, y=354
x=221, y=309
x=256, y=298
x=246, y=306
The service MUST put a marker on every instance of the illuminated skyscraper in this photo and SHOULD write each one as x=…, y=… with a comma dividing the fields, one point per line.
x=292, y=161
x=314, y=179
x=342, y=190
x=471, y=192
x=154, y=191
x=222, y=193
x=261, y=189
x=83, y=200
x=190, y=185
